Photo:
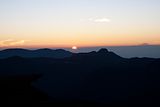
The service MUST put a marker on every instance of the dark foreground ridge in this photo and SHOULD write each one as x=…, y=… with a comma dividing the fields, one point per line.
x=98, y=79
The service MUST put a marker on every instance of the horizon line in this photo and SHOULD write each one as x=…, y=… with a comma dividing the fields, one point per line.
x=70, y=47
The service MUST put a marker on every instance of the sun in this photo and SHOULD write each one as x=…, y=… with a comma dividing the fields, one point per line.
x=74, y=48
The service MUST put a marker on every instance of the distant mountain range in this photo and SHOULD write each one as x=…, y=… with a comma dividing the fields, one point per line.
x=98, y=76
x=59, y=53
x=152, y=51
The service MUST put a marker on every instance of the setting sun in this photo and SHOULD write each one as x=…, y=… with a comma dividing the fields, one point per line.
x=74, y=48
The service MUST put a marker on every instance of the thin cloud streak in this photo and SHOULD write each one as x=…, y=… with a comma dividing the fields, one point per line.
x=100, y=20
x=11, y=42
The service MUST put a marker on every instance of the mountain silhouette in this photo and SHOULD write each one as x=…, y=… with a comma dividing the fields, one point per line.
x=101, y=77
x=102, y=54
x=59, y=53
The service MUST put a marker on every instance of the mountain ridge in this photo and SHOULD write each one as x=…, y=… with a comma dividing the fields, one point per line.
x=44, y=52
x=101, y=76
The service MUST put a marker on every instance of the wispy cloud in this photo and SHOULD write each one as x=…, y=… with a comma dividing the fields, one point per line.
x=99, y=20
x=11, y=42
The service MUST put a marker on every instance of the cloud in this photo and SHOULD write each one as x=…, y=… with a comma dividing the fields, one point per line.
x=11, y=42
x=100, y=20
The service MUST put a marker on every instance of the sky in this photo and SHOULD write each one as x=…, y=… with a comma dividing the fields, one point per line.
x=81, y=23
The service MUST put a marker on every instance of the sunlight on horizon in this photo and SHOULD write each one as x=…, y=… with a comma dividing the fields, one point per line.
x=74, y=48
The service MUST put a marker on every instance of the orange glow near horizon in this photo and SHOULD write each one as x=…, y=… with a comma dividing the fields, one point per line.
x=80, y=41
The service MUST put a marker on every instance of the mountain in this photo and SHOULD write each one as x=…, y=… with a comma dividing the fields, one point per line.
x=101, y=77
x=101, y=55
x=59, y=53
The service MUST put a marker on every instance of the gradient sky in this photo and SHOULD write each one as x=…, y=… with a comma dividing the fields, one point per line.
x=66, y=23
